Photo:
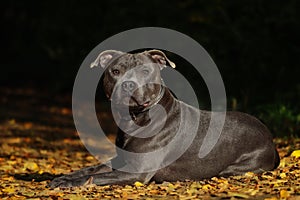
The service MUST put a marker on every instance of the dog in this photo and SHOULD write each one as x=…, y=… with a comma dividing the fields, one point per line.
x=151, y=117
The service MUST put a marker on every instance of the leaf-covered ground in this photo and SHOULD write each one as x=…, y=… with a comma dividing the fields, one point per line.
x=38, y=142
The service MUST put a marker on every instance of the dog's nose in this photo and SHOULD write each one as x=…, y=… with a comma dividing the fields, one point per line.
x=129, y=86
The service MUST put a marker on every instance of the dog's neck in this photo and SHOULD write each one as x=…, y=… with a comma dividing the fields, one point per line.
x=156, y=100
x=133, y=123
x=135, y=113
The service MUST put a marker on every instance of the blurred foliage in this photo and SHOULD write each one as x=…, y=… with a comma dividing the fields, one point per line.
x=254, y=43
x=283, y=120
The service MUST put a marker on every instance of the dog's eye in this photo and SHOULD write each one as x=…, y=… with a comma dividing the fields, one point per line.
x=115, y=72
x=145, y=71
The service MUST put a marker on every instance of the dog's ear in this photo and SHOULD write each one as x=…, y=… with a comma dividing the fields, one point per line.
x=160, y=57
x=106, y=57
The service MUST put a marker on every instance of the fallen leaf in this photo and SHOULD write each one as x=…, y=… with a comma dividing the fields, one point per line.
x=207, y=187
x=31, y=166
x=9, y=190
x=138, y=184
x=249, y=174
x=284, y=194
x=271, y=198
x=296, y=153
x=282, y=175
x=240, y=195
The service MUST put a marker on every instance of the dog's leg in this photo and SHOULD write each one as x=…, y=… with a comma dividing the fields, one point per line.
x=258, y=161
x=108, y=178
x=87, y=171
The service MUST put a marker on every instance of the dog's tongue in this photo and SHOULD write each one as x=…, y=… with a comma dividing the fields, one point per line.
x=146, y=104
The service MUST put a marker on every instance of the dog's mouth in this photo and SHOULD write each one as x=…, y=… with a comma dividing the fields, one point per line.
x=137, y=101
x=133, y=102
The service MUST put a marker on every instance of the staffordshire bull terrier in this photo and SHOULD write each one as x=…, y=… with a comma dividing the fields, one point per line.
x=151, y=118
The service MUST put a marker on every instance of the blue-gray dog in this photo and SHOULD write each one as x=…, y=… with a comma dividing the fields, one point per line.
x=134, y=85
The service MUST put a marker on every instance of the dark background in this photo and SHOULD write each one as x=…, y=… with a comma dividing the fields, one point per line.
x=254, y=43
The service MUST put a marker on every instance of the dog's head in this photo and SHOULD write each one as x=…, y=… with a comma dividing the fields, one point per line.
x=132, y=80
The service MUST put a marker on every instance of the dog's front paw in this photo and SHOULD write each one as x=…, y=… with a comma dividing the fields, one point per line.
x=66, y=182
x=62, y=181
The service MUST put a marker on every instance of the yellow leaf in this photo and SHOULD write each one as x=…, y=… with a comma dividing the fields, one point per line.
x=8, y=190
x=73, y=197
x=138, y=184
x=283, y=162
x=284, y=194
x=282, y=175
x=249, y=174
x=124, y=194
x=11, y=162
x=90, y=158
x=296, y=153
x=271, y=198
x=253, y=192
x=9, y=178
x=170, y=185
x=31, y=166
x=240, y=195
x=206, y=187
x=223, y=181
x=191, y=191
